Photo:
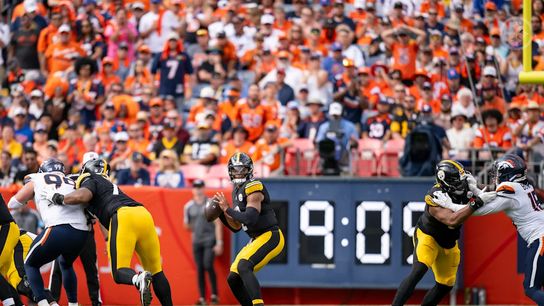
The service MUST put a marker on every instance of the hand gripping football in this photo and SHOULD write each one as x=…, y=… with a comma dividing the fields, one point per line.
x=212, y=211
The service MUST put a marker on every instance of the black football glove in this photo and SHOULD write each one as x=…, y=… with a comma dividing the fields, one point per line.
x=57, y=199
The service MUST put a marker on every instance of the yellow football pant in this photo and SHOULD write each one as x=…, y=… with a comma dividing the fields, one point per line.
x=132, y=229
x=260, y=250
x=16, y=268
x=443, y=262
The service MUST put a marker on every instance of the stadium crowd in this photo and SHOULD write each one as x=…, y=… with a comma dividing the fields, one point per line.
x=151, y=85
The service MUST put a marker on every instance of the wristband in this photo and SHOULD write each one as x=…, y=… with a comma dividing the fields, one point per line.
x=475, y=203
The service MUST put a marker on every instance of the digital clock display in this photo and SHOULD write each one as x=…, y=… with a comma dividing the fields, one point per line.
x=344, y=233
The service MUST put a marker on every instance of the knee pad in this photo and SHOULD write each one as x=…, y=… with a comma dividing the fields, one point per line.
x=232, y=278
x=245, y=266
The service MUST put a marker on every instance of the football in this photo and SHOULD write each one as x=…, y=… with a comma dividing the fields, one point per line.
x=212, y=211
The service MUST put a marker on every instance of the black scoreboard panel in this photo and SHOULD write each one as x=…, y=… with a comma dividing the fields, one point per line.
x=344, y=233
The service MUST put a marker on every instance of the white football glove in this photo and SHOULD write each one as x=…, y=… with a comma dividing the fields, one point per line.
x=442, y=199
x=473, y=185
x=487, y=196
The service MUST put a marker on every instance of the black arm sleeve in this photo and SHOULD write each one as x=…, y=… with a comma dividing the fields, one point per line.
x=226, y=223
x=249, y=217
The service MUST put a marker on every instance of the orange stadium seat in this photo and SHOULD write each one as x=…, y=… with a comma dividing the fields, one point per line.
x=389, y=160
x=217, y=176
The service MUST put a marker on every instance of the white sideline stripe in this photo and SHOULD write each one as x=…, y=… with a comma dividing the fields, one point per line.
x=535, y=262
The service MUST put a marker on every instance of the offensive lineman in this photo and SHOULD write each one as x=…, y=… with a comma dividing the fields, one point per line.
x=253, y=214
x=129, y=225
x=517, y=198
x=66, y=229
x=87, y=257
x=10, y=231
x=437, y=232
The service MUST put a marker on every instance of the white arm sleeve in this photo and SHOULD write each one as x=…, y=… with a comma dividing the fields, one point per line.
x=13, y=203
x=499, y=204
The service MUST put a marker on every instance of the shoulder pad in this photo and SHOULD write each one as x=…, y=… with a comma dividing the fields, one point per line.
x=429, y=196
x=506, y=188
x=253, y=186
x=28, y=178
x=81, y=179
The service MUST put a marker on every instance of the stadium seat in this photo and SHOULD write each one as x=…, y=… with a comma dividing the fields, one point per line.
x=261, y=171
x=367, y=160
x=193, y=172
x=389, y=160
x=218, y=176
x=301, y=158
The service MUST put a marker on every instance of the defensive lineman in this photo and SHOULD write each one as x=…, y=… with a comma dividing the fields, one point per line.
x=130, y=227
x=517, y=198
x=66, y=229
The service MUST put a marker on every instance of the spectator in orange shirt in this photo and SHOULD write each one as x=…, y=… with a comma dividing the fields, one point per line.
x=238, y=143
x=493, y=134
x=72, y=145
x=48, y=36
x=490, y=92
x=60, y=55
x=427, y=99
x=269, y=148
x=229, y=52
x=108, y=75
x=229, y=107
x=252, y=115
x=404, y=49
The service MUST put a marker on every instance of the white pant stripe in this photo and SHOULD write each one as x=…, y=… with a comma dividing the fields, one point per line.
x=535, y=263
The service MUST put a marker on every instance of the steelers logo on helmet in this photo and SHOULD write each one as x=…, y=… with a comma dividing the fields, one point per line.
x=240, y=168
x=441, y=174
x=451, y=177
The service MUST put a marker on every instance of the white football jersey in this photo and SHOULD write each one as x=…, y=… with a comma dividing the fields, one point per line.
x=57, y=214
x=521, y=204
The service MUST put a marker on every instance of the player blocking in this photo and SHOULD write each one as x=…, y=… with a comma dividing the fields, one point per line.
x=128, y=223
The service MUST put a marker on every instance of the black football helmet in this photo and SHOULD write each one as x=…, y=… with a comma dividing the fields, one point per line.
x=240, y=168
x=51, y=165
x=510, y=168
x=451, y=177
x=97, y=166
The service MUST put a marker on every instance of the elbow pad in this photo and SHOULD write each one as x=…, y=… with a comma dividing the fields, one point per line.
x=13, y=203
x=226, y=223
x=248, y=217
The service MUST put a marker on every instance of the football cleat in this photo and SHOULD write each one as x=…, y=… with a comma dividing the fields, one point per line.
x=143, y=283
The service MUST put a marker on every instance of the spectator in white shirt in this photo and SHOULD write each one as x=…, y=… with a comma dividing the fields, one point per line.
x=344, y=36
x=155, y=34
x=460, y=136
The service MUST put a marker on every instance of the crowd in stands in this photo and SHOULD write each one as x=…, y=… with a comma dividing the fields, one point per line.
x=156, y=85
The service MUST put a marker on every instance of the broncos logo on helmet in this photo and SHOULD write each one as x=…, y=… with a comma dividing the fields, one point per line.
x=510, y=168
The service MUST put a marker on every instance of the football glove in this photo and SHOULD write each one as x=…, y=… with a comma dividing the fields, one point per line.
x=473, y=184
x=487, y=196
x=52, y=196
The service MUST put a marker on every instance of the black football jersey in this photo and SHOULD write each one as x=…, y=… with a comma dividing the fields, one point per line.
x=5, y=215
x=107, y=197
x=267, y=217
x=444, y=235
